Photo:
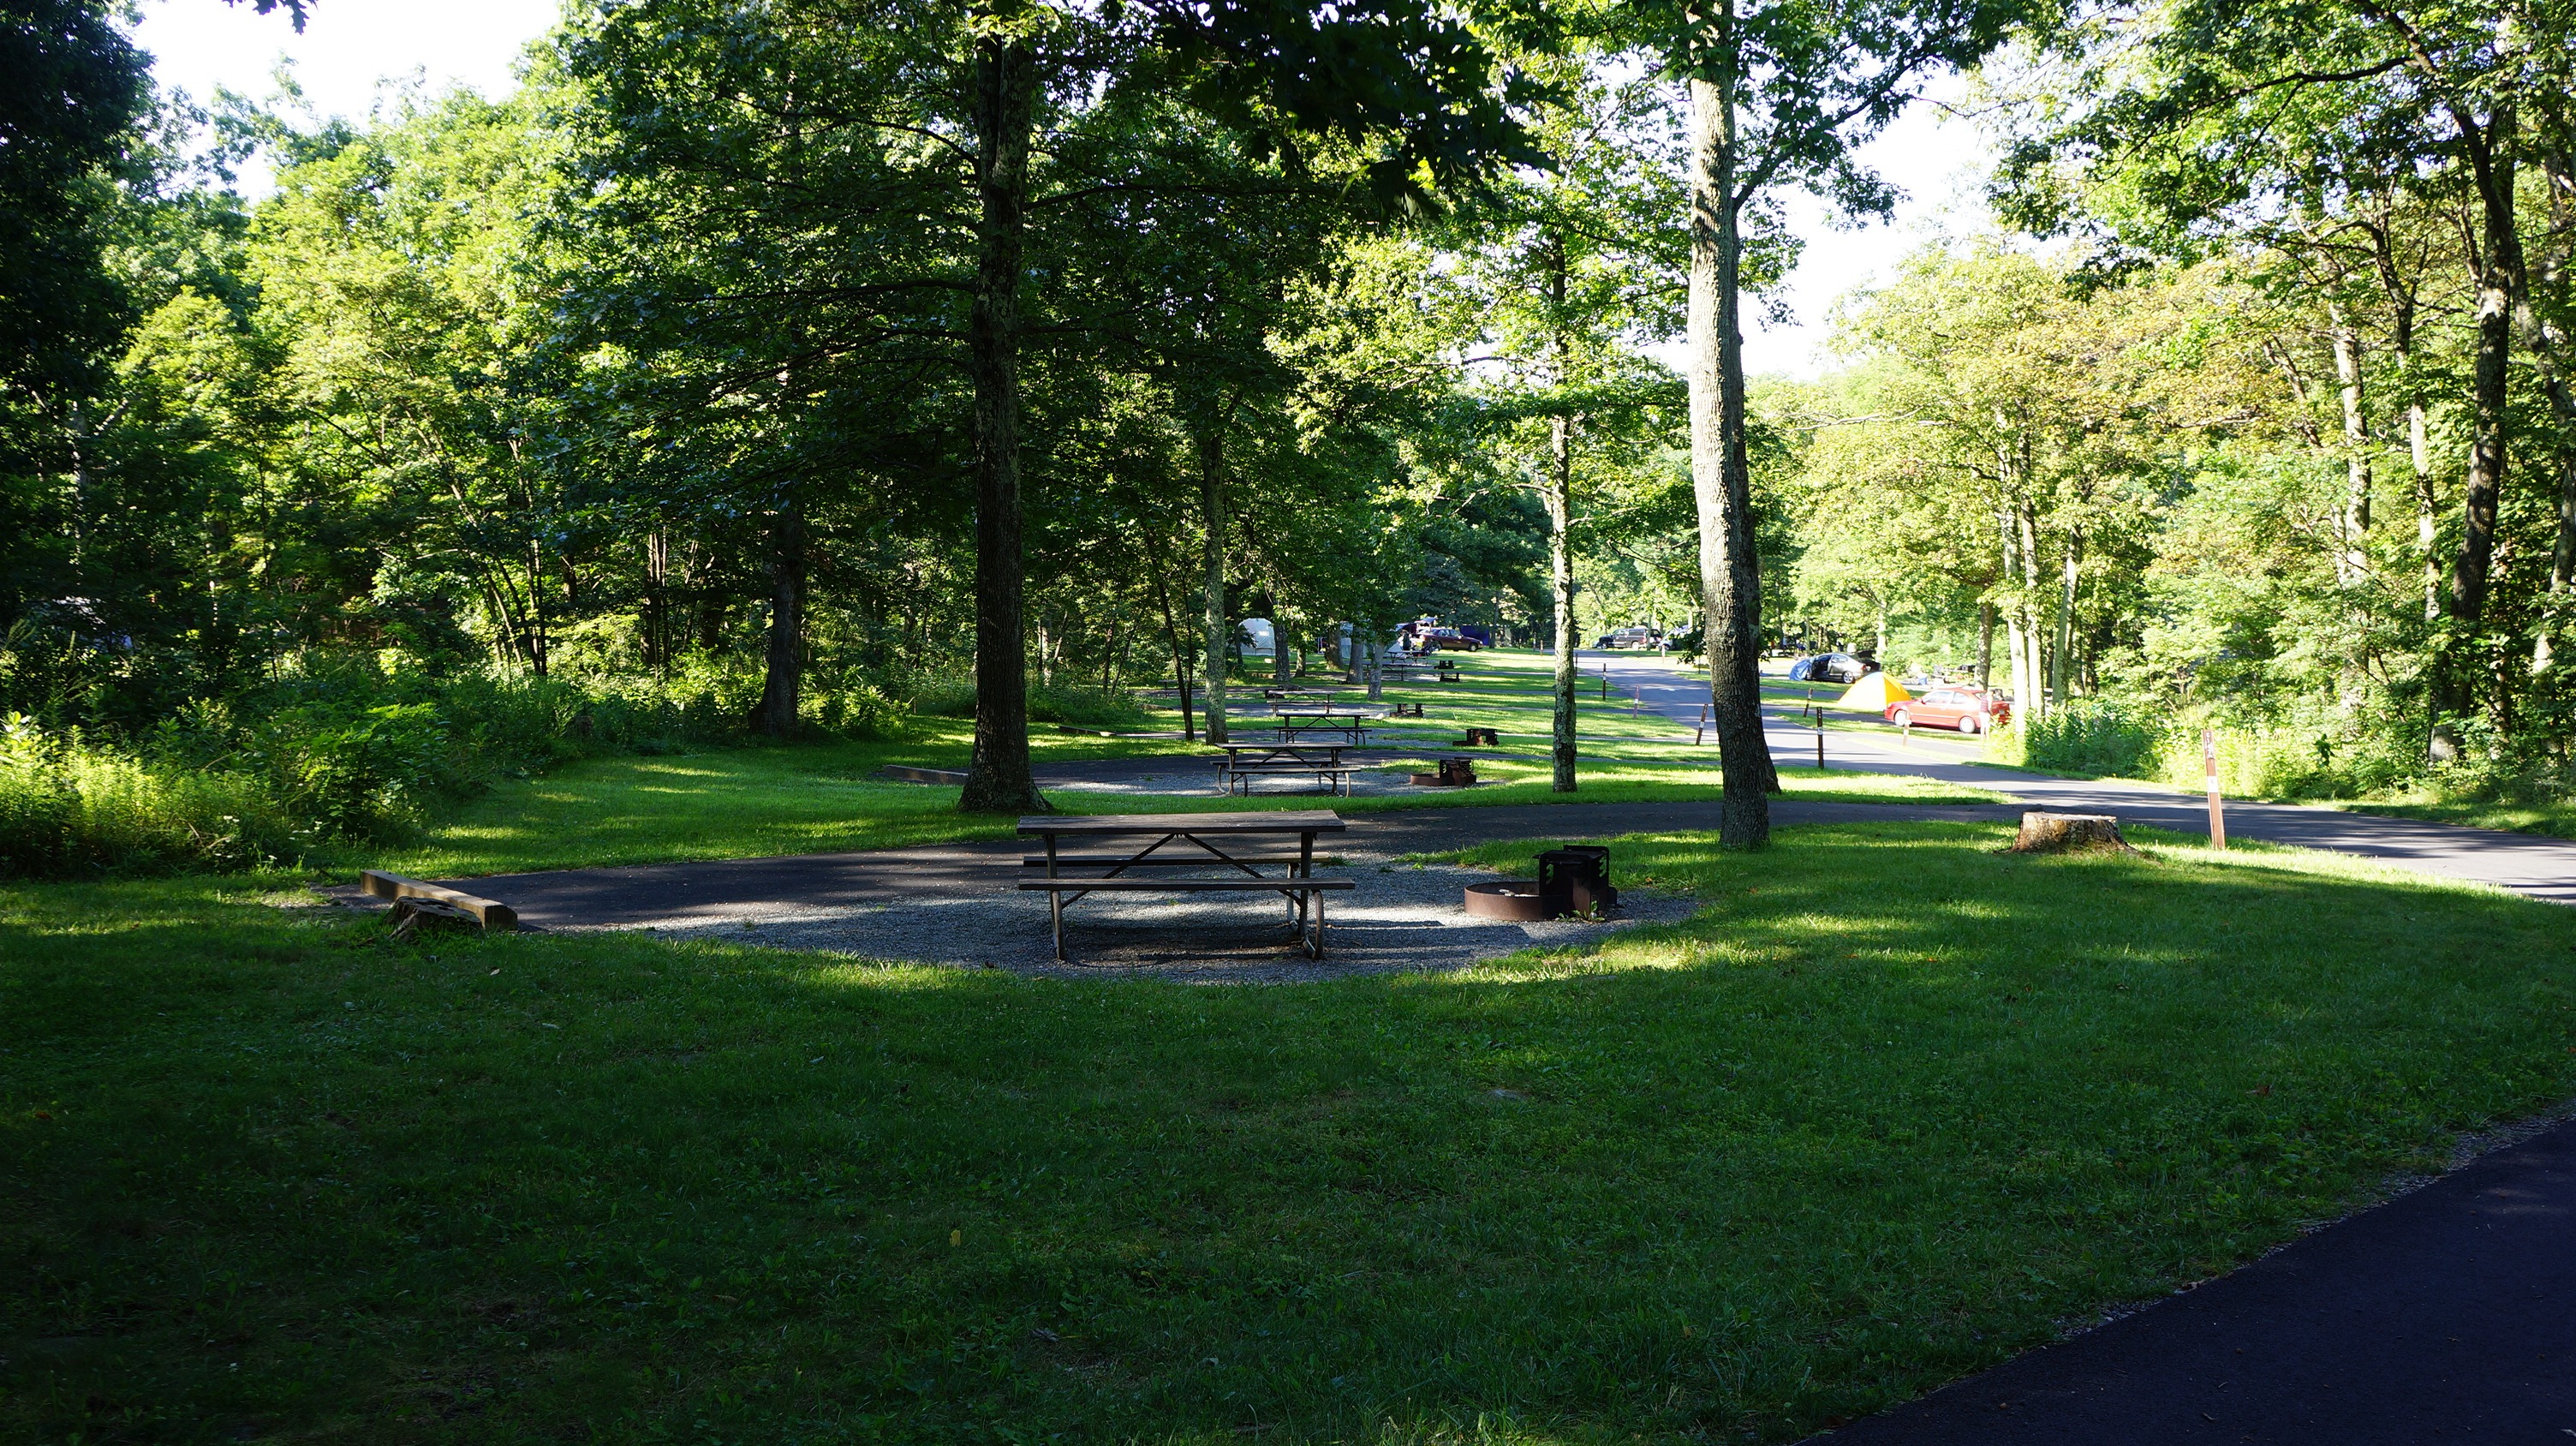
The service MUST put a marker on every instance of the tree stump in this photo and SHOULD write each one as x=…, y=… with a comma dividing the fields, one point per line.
x=2057, y=833
x=415, y=917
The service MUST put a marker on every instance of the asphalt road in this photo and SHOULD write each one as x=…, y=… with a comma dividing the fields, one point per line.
x=2445, y=1315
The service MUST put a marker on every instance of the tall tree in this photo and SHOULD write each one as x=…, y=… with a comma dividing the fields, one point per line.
x=1781, y=93
x=1000, y=135
x=2406, y=93
x=1559, y=277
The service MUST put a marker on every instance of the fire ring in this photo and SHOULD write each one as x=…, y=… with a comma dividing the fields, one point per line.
x=1516, y=899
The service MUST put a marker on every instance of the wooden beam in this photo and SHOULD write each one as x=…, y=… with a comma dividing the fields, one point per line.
x=497, y=918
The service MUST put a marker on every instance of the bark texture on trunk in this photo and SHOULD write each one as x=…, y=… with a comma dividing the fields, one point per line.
x=2030, y=679
x=1212, y=497
x=998, y=778
x=2549, y=346
x=2562, y=556
x=1560, y=550
x=1560, y=541
x=1721, y=482
x=781, y=692
x=2061, y=660
x=1180, y=654
x=2499, y=282
x=2352, y=563
x=1985, y=644
x=2419, y=447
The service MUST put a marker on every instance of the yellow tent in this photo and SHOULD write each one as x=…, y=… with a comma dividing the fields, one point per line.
x=1872, y=694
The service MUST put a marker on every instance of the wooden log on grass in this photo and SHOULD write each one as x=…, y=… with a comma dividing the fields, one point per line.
x=415, y=917
x=2057, y=833
x=499, y=918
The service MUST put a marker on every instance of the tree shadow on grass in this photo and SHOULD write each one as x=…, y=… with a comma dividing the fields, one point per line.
x=1891, y=1107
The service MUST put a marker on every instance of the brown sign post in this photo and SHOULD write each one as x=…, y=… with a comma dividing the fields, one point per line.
x=2209, y=772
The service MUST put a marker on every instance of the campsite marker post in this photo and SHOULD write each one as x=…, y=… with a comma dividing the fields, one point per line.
x=2209, y=772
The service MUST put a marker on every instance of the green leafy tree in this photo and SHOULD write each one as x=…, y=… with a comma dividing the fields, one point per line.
x=1781, y=94
x=2321, y=109
x=1557, y=278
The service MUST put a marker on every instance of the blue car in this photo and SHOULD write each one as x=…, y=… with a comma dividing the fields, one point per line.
x=1828, y=668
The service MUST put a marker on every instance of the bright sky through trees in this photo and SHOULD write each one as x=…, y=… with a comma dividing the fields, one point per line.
x=350, y=46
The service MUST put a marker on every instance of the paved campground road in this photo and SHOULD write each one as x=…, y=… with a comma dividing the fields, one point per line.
x=2445, y=1315
x=2543, y=868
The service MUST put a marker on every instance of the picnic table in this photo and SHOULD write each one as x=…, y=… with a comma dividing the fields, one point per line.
x=1350, y=723
x=1287, y=757
x=1443, y=669
x=1199, y=841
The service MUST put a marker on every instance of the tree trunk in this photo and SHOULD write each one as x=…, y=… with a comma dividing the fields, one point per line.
x=2062, y=660
x=536, y=609
x=998, y=778
x=1212, y=493
x=2548, y=344
x=2562, y=567
x=2562, y=557
x=2419, y=447
x=782, y=691
x=1560, y=551
x=2027, y=670
x=1180, y=654
x=654, y=624
x=1376, y=655
x=2498, y=283
x=1721, y=482
x=1985, y=644
x=2352, y=563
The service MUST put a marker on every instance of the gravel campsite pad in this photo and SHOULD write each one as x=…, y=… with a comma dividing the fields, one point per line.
x=1398, y=917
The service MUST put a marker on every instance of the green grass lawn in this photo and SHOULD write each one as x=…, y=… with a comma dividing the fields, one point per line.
x=2554, y=820
x=819, y=798
x=1894, y=1106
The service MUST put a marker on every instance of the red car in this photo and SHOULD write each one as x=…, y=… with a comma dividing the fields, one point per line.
x=1970, y=710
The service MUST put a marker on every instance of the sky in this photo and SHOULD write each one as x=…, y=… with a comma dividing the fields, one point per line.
x=349, y=46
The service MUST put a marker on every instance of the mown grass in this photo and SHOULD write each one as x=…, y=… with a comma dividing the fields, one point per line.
x=1894, y=1106
x=822, y=798
x=2553, y=820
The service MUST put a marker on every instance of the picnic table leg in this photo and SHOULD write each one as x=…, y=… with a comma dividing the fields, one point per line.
x=1305, y=870
x=1055, y=902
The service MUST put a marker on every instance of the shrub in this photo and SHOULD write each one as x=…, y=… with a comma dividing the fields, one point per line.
x=1080, y=707
x=2090, y=735
x=68, y=806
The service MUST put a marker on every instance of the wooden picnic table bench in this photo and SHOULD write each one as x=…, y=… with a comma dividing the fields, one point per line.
x=1350, y=723
x=1285, y=750
x=1203, y=841
x=1319, y=763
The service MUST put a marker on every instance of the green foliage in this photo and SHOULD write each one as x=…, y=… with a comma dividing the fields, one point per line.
x=340, y=752
x=2092, y=735
x=1048, y=703
x=71, y=807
